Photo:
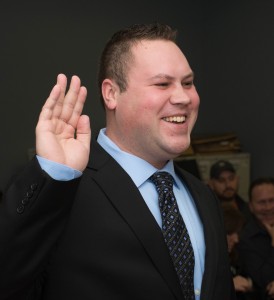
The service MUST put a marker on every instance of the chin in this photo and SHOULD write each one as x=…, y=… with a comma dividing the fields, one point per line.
x=268, y=221
x=175, y=147
x=182, y=145
x=184, y=148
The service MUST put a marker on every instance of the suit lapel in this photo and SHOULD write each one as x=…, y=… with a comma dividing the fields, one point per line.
x=128, y=201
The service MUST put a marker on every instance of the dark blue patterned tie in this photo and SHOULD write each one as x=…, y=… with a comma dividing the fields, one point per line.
x=175, y=233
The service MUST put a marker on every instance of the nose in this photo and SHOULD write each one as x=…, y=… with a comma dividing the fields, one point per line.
x=180, y=95
x=227, y=183
x=268, y=205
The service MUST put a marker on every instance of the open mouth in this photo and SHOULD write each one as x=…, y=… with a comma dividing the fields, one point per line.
x=175, y=119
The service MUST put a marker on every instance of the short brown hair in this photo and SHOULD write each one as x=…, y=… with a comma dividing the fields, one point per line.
x=115, y=58
x=259, y=181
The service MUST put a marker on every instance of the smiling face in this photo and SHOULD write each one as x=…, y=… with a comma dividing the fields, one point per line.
x=154, y=117
x=262, y=203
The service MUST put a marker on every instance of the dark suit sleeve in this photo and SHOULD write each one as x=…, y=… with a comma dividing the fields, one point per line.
x=258, y=256
x=33, y=214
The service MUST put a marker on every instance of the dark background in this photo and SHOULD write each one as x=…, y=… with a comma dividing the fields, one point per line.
x=229, y=44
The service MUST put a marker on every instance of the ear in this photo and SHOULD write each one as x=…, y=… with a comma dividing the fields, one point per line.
x=110, y=92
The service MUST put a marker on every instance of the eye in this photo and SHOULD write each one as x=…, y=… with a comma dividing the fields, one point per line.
x=188, y=84
x=162, y=84
x=221, y=180
x=261, y=202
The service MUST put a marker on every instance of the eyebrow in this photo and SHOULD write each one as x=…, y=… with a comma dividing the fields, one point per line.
x=166, y=76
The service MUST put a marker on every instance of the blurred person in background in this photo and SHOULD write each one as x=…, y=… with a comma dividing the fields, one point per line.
x=257, y=239
x=224, y=181
x=234, y=222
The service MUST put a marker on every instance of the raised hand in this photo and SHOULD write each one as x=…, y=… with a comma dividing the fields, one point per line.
x=62, y=133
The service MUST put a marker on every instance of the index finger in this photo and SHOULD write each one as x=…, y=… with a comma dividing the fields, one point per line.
x=70, y=100
x=53, y=104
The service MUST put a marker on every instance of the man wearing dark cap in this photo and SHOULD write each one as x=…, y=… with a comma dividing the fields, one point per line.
x=225, y=183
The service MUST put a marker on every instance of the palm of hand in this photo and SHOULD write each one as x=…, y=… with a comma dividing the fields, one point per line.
x=62, y=133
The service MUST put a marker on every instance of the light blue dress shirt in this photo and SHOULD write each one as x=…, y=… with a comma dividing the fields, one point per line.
x=140, y=170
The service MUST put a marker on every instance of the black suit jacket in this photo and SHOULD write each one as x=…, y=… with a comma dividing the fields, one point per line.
x=95, y=238
x=257, y=253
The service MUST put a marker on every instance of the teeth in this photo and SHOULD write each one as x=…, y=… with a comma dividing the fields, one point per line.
x=174, y=119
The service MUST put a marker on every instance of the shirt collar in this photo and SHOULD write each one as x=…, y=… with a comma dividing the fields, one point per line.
x=138, y=169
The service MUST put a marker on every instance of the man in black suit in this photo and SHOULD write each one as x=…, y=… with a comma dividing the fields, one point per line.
x=256, y=244
x=74, y=227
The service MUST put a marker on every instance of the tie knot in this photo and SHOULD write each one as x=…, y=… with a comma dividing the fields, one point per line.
x=162, y=180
